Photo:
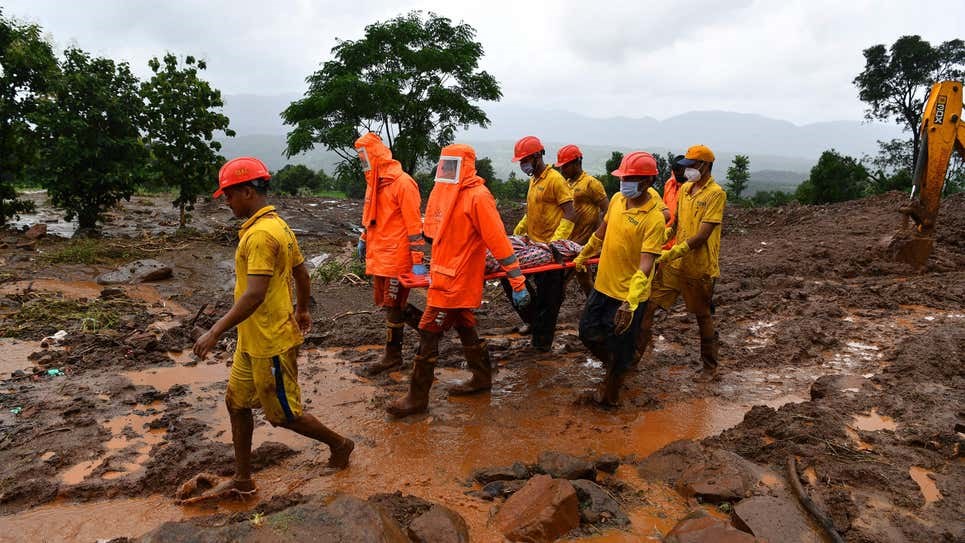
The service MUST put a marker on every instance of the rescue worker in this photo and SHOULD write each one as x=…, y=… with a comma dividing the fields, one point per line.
x=589, y=203
x=690, y=268
x=628, y=242
x=462, y=221
x=670, y=189
x=391, y=242
x=549, y=216
x=264, y=372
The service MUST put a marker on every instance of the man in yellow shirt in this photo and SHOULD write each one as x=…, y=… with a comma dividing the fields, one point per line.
x=264, y=372
x=549, y=217
x=690, y=267
x=628, y=242
x=589, y=202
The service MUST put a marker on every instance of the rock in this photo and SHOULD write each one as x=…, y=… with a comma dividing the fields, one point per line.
x=139, y=271
x=700, y=527
x=774, y=519
x=597, y=506
x=833, y=385
x=142, y=341
x=485, y=476
x=669, y=463
x=543, y=510
x=607, y=463
x=500, y=489
x=346, y=519
x=111, y=293
x=439, y=525
x=27, y=244
x=565, y=466
x=36, y=231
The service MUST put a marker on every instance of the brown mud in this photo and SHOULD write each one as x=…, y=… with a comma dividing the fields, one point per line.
x=97, y=450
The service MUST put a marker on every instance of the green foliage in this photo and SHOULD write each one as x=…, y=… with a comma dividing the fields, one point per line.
x=610, y=182
x=92, y=152
x=27, y=69
x=332, y=270
x=180, y=122
x=350, y=179
x=770, y=198
x=663, y=170
x=484, y=169
x=48, y=314
x=890, y=168
x=414, y=79
x=292, y=179
x=895, y=81
x=835, y=178
x=513, y=189
x=737, y=176
x=91, y=251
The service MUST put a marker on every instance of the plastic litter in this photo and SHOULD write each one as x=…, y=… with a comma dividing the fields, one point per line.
x=55, y=372
x=16, y=410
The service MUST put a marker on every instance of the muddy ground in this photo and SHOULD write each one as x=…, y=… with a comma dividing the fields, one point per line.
x=99, y=428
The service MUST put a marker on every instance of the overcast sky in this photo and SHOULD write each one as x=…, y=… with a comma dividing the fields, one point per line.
x=792, y=60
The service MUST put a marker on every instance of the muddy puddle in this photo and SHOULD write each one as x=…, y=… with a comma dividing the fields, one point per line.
x=431, y=456
x=15, y=355
x=91, y=290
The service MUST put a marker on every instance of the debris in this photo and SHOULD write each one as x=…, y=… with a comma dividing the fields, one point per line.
x=16, y=410
x=54, y=372
x=317, y=261
x=543, y=510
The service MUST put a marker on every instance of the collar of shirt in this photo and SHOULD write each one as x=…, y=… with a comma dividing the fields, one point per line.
x=693, y=193
x=543, y=175
x=254, y=218
x=645, y=208
x=578, y=180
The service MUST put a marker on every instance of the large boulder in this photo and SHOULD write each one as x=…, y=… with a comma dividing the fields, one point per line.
x=701, y=527
x=139, y=271
x=439, y=525
x=565, y=466
x=543, y=510
x=518, y=470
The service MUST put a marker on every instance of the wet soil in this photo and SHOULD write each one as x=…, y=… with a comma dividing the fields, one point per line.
x=806, y=292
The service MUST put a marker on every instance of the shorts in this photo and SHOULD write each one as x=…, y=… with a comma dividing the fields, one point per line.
x=698, y=294
x=270, y=383
x=438, y=320
x=389, y=292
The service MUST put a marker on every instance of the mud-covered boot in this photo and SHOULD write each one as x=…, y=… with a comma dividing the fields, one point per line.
x=479, y=363
x=417, y=400
x=709, y=351
x=392, y=358
x=607, y=395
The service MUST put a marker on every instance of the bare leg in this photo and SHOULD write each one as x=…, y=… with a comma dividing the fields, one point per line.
x=308, y=426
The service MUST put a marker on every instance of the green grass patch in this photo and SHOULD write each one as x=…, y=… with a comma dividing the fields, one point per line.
x=91, y=251
x=333, y=271
x=47, y=314
x=334, y=194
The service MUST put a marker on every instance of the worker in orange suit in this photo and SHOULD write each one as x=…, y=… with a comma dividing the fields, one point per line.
x=462, y=221
x=391, y=242
x=670, y=188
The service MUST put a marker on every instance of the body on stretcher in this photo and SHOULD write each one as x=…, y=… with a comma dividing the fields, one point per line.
x=410, y=280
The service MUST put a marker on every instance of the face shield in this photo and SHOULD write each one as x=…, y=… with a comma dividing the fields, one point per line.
x=448, y=170
x=364, y=159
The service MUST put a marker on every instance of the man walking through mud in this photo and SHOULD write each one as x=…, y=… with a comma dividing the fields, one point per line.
x=391, y=242
x=264, y=372
x=462, y=221
x=549, y=217
x=589, y=203
x=690, y=268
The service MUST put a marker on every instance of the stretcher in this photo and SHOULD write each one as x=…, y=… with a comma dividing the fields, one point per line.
x=410, y=280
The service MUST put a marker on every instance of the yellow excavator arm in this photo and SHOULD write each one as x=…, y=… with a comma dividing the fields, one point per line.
x=942, y=133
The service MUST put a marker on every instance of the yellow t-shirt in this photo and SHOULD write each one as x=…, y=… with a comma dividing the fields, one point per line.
x=661, y=205
x=588, y=192
x=543, y=200
x=705, y=205
x=268, y=247
x=629, y=232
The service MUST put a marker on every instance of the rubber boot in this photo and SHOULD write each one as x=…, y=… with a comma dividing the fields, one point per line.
x=423, y=372
x=392, y=358
x=608, y=393
x=709, y=349
x=412, y=316
x=479, y=363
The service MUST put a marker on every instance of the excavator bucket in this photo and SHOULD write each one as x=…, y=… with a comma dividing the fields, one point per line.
x=942, y=132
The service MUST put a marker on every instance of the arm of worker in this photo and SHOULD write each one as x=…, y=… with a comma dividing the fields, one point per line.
x=639, y=290
x=490, y=226
x=243, y=308
x=360, y=247
x=520, y=229
x=567, y=223
x=711, y=220
x=303, y=296
x=409, y=204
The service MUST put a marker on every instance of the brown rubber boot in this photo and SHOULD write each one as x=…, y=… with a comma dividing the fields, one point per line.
x=417, y=400
x=709, y=350
x=608, y=393
x=392, y=358
x=479, y=363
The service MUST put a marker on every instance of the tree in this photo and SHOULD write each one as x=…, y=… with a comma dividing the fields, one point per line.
x=291, y=179
x=92, y=152
x=412, y=79
x=611, y=183
x=835, y=178
x=895, y=81
x=180, y=124
x=28, y=68
x=663, y=171
x=737, y=176
x=513, y=189
x=889, y=169
x=484, y=169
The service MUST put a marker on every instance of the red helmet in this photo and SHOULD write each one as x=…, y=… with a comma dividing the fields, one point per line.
x=636, y=163
x=568, y=153
x=240, y=170
x=530, y=145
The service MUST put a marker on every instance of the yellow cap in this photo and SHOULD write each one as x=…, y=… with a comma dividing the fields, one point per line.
x=695, y=153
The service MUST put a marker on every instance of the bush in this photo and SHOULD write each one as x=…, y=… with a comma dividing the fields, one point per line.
x=835, y=178
x=292, y=179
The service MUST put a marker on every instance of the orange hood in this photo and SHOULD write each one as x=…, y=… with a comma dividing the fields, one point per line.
x=377, y=163
x=455, y=171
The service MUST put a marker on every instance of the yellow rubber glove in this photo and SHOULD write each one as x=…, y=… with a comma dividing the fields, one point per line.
x=639, y=289
x=667, y=234
x=674, y=252
x=591, y=249
x=564, y=230
x=520, y=227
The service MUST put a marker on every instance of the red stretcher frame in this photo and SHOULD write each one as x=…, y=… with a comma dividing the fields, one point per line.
x=409, y=280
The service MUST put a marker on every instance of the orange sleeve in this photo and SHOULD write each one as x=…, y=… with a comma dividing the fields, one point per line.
x=490, y=226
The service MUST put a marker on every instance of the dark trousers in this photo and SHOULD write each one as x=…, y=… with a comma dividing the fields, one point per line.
x=547, y=291
x=596, y=331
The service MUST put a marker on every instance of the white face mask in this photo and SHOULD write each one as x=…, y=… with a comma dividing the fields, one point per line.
x=692, y=174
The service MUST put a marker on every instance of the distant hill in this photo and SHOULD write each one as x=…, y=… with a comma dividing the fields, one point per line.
x=781, y=153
